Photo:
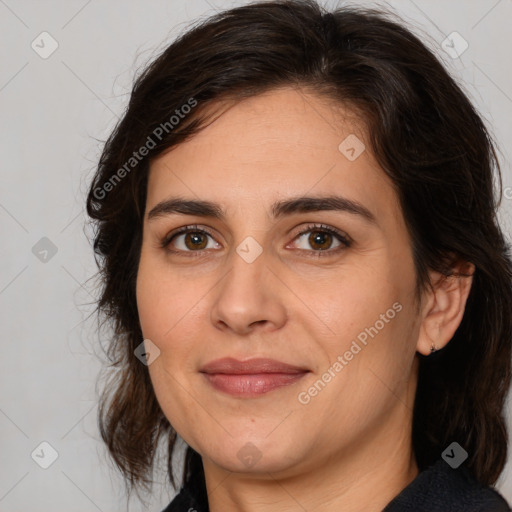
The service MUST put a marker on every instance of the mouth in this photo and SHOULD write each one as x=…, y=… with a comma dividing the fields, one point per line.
x=251, y=378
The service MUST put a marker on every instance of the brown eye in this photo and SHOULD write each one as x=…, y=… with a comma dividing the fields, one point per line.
x=190, y=239
x=195, y=240
x=320, y=240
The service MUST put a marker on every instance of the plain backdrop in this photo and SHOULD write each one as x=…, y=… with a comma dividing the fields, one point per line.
x=56, y=109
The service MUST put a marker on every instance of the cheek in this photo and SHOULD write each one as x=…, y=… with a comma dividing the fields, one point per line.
x=373, y=324
x=355, y=300
x=166, y=313
x=164, y=299
x=172, y=315
x=148, y=292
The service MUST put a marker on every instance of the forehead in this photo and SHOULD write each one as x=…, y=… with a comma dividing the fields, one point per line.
x=282, y=143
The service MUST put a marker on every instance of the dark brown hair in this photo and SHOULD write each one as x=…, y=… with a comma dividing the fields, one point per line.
x=426, y=136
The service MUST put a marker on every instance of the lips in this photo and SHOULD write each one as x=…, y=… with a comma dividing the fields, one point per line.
x=232, y=366
x=246, y=379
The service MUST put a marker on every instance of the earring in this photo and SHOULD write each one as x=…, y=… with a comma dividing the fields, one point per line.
x=433, y=349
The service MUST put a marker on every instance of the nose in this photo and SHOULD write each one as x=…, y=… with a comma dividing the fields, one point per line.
x=248, y=298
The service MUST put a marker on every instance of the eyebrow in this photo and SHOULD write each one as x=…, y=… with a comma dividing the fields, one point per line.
x=279, y=209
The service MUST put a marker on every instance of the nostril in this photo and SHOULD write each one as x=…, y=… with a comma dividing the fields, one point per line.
x=258, y=322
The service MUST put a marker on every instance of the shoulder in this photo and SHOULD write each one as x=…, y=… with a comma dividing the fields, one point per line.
x=191, y=498
x=440, y=488
x=183, y=502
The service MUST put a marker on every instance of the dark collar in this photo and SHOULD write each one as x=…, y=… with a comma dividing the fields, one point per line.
x=438, y=488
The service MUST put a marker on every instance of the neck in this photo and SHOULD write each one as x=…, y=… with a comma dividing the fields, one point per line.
x=364, y=478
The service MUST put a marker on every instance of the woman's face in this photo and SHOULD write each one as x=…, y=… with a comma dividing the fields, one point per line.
x=326, y=287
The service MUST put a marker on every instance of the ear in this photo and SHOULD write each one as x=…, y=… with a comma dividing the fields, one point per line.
x=443, y=307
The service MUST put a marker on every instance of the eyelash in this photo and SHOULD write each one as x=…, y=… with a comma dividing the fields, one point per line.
x=342, y=238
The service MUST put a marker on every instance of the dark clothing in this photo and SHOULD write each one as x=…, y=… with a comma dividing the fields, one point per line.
x=438, y=488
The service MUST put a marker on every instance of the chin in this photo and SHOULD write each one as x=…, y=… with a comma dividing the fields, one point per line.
x=255, y=456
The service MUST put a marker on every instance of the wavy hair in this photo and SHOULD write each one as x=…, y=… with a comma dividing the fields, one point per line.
x=426, y=136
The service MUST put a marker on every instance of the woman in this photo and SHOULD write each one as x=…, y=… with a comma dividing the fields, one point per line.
x=297, y=215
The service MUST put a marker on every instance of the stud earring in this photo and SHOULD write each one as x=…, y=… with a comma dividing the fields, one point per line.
x=433, y=349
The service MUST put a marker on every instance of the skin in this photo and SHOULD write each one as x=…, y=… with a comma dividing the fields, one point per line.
x=349, y=448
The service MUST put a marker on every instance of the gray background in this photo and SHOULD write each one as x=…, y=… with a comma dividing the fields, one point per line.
x=54, y=112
